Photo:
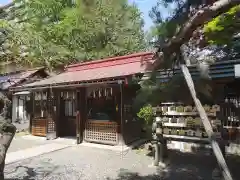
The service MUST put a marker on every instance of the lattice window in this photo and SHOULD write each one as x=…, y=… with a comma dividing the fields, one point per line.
x=70, y=109
x=50, y=125
x=40, y=104
x=102, y=108
x=69, y=103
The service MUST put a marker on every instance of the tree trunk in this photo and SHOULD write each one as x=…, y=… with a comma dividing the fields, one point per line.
x=7, y=132
x=207, y=125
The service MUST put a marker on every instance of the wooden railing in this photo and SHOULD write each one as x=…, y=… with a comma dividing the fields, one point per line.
x=101, y=132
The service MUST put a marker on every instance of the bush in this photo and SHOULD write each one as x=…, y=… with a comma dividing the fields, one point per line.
x=146, y=113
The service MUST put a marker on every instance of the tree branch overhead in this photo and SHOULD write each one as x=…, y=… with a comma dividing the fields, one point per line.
x=6, y=6
x=186, y=31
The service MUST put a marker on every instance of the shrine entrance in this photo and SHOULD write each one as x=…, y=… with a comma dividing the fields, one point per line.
x=103, y=120
x=67, y=113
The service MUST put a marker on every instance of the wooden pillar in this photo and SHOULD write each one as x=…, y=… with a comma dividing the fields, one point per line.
x=32, y=99
x=81, y=113
x=49, y=114
x=58, y=103
x=120, y=115
x=78, y=116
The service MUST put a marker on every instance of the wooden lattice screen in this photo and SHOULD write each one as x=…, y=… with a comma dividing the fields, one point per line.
x=50, y=125
x=101, y=132
x=39, y=127
x=51, y=102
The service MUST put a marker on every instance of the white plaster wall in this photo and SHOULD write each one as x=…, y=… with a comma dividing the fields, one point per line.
x=14, y=108
x=23, y=116
x=20, y=109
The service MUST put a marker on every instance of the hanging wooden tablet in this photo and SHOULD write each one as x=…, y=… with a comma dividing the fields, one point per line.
x=188, y=109
x=181, y=132
x=216, y=107
x=164, y=109
x=173, y=131
x=172, y=108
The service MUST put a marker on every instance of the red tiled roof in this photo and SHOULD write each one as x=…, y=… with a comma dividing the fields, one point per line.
x=99, y=70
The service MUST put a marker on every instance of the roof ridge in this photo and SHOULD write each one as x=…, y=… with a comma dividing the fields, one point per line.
x=110, y=59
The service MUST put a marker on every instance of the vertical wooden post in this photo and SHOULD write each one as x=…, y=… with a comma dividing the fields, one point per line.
x=58, y=102
x=78, y=127
x=32, y=99
x=120, y=114
x=81, y=114
x=78, y=116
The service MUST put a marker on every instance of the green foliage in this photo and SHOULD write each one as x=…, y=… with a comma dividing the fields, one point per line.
x=221, y=29
x=63, y=32
x=146, y=113
x=153, y=93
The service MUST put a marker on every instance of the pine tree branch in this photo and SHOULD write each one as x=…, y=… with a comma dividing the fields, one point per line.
x=185, y=33
x=2, y=8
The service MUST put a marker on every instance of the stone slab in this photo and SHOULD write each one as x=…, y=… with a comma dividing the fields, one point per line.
x=117, y=148
x=33, y=152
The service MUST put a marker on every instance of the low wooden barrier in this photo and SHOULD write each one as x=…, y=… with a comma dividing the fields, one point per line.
x=42, y=126
x=101, y=132
x=39, y=127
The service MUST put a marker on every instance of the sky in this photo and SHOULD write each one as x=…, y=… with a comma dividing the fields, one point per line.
x=2, y=2
x=144, y=5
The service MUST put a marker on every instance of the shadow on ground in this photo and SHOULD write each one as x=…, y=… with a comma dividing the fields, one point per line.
x=27, y=172
x=185, y=166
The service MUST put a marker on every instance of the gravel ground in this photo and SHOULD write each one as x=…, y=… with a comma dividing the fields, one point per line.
x=87, y=163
